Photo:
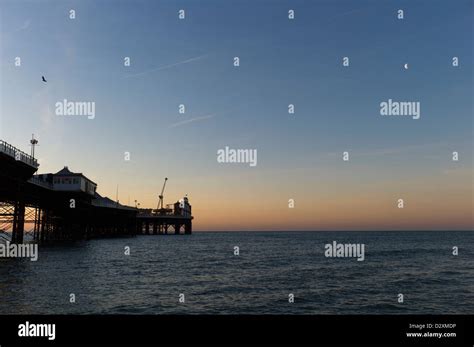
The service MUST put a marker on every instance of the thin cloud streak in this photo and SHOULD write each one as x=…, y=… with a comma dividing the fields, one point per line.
x=164, y=67
x=200, y=118
x=191, y=120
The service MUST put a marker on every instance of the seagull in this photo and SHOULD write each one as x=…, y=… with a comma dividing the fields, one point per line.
x=44, y=80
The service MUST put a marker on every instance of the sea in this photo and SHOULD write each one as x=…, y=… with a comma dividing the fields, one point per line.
x=283, y=273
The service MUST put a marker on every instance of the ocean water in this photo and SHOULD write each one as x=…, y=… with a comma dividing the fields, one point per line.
x=203, y=267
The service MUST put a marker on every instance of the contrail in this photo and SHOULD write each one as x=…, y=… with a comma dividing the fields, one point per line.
x=196, y=119
x=167, y=66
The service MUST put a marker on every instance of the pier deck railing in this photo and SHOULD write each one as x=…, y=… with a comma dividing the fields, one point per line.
x=14, y=152
x=42, y=183
x=111, y=204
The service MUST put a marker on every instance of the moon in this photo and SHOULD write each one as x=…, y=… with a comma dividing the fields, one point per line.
x=405, y=66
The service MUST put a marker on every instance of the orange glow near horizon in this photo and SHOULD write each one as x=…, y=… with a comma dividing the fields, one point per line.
x=439, y=202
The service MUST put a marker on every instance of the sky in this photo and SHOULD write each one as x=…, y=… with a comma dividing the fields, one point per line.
x=282, y=62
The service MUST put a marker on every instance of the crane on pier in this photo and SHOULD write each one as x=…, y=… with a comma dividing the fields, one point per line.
x=160, y=202
x=160, y=209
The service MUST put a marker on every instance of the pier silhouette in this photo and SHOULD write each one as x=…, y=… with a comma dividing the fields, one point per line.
x=66, y=206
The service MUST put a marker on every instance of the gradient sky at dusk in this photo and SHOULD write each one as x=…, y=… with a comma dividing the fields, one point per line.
x=299, y=156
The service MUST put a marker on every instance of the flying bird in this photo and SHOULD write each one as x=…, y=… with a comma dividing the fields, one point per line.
x=44, y=80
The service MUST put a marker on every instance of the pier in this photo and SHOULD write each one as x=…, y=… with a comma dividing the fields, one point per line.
x=66, y=206
x=165, y=221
